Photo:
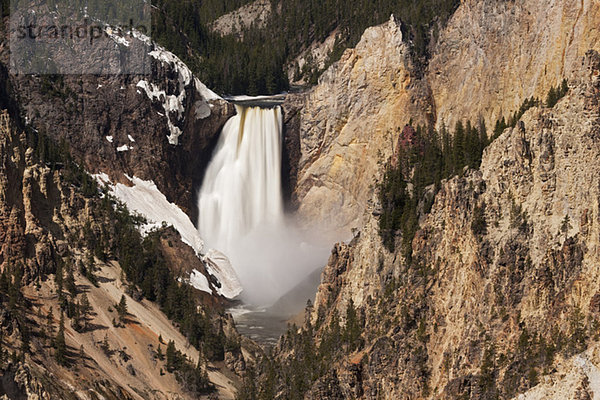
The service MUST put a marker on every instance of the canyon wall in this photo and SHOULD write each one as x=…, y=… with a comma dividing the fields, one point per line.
x=348, y=123
x=493, y=54
x=490, y=57
x=160, y=127
x=502, y=287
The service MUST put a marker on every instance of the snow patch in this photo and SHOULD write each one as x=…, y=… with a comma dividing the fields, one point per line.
x=244, y=97
x=145, y=199
x=123, y=148
x=130, y=138
x=102, y=178
x=200, y=282
x=170, y=104
x=166, y=57
x=141, y=37
x=218, y=264
x=109, y=138
x=117, y=37
x=205, y=91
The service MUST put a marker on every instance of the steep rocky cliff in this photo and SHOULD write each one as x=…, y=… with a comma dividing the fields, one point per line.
x=500, y=297
x=100, y=118
x=502, y=287
x=494, y=54
x=55, y=230
x=348, y=123
x=489, y=58
x=253, y=15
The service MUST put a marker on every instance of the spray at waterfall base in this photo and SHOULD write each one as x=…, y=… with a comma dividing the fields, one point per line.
x=241, y=211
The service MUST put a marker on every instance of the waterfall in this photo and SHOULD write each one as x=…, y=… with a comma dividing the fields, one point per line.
x=242, y=185
x=240, y=209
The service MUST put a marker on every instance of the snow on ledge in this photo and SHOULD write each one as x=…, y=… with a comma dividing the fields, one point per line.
x=145, y=198
x=169, y=104
x=200, y=282
x=218, y=265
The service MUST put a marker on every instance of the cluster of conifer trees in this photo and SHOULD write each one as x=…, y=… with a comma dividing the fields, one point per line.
x=257, y=64
x=292, y=377
x=432, y=157
x=143, y=265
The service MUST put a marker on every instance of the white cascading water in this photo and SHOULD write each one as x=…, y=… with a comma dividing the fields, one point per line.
x=240, y=208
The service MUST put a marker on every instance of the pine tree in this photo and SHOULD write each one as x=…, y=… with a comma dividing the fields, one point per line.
x=58, y=278
x=14, y=289
x=70, y=282
x=50, y=323
x=105, y=346
x=564, y=88
x=122, y=309
x=85, y=309
x=351, y=333
x=552, y=98
x=171, y=356
x=565, y=225
x=159, y=353
x=459, y=147
x=60, y=346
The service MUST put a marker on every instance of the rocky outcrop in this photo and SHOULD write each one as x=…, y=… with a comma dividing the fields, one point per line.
x=311, y=60
x=348, y=124
x=502, y=287
x=255, y=14
x=99, y=119
x=291, y=153
x=48, y=219
x=490, y=57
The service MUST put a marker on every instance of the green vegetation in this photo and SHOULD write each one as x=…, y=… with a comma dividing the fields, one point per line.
x=295, y=375
x=479, y=223
x=430, y=158
x=554, y=95
x=121, y=309
x=501, y=124
x=60, y=346
x=194, y=379
x=557, y=93
x=256, y=64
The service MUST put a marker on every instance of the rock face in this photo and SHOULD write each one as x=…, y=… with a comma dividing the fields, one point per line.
x=495, y=54
x=253, y=14
x=491, y=56
x=99, y=118
x=315, y=57
x=291, y=153
x=485, y=312
x=347, y=125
